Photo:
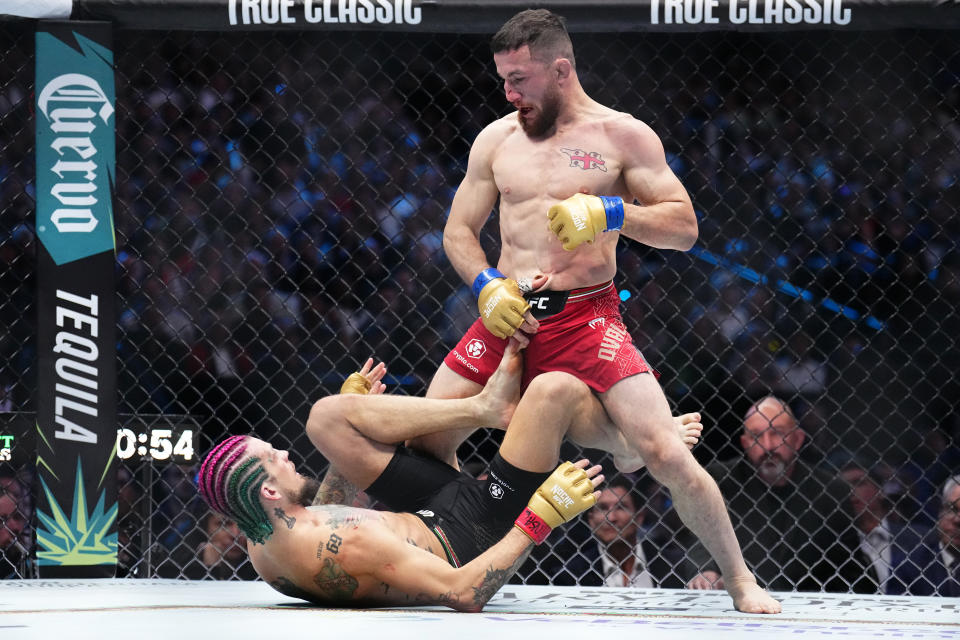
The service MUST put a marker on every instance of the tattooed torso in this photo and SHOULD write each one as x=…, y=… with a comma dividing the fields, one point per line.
x=310, y=558
x=533, y=175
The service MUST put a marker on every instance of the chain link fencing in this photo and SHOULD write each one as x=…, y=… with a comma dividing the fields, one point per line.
x=280, y=207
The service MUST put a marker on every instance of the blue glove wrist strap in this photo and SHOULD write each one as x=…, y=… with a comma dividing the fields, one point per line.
x=613, y=205
x=486, y=276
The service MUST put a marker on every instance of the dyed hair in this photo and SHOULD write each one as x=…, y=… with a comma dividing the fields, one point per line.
x=231, y=486
x=540, y=29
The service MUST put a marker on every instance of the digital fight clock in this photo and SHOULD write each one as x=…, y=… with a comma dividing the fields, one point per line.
x=176, y=443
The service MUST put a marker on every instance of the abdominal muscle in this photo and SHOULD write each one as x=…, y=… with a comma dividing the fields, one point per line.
x=529, y=249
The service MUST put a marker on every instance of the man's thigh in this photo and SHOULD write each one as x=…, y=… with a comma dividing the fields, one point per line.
x=639, y=409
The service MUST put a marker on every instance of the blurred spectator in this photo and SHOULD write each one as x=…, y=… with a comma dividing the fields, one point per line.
x=793, y=521
x=14, y=535
x=883, y=541
x=932, y=567
x=216, y=550
x=621, y=550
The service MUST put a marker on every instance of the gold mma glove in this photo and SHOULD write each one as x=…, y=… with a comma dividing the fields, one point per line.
x=355, y=383
x=565, y=494
x=500, y=302
x=580, y=218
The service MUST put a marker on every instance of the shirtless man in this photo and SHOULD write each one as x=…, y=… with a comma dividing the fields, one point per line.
x=464, y=542
x=567, y=170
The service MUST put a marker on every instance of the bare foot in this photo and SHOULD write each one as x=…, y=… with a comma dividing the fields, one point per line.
x=689, y=427
x=748, y=597
x=501, y=394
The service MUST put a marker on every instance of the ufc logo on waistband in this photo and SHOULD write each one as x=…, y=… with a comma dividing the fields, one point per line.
x=538, y=303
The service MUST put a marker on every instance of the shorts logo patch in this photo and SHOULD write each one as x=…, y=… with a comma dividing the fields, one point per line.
x=496, y=491
x=475, y=348
x=597, y=322
x=426, y=513
x=612, y=340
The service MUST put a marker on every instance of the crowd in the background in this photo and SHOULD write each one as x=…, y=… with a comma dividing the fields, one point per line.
x=281, y=202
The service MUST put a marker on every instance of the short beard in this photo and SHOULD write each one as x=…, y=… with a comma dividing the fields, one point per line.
x=308, y=492
x=772, y=473
x=549, y=110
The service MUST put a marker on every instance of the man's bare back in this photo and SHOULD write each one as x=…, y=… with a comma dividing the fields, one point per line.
x=324, y=556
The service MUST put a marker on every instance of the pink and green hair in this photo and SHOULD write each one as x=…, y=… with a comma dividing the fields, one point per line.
x=231, y=485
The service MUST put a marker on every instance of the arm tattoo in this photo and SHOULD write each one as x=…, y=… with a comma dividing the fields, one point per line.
x=496, y=578
x=334, y=582
x=335, y=489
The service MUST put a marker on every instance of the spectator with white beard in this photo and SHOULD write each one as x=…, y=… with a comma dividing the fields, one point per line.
x=792, y=520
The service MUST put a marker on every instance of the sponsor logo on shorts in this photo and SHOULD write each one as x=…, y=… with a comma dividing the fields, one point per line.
x=476, y=348
x=465, y=362
x=561, y=497
x=500, y=480
x=426, y=513
x=496, y=491
x=612, y=341
x=597, y=322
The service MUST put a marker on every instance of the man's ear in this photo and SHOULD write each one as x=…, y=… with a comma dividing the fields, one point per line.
x=269, y=492
x=563, y=69
x=796, y=438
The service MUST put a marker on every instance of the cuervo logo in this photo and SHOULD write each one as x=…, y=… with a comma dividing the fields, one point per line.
x=68, y=102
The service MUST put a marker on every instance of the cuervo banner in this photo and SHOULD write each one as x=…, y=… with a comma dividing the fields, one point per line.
x=76, y=395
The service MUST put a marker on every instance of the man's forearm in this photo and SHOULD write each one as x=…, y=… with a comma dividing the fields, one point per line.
x=464, y=252
x=484, y=575
x=666, y=225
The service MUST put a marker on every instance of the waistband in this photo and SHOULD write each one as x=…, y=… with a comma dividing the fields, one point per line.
x=546, y=303
x=430, y=519
x=586, y=293
x=447, y=547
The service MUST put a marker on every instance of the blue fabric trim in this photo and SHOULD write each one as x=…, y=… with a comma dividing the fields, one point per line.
x=484, y=277
x=613, y=205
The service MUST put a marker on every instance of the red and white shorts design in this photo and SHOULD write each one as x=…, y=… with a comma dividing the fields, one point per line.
x=587, y=339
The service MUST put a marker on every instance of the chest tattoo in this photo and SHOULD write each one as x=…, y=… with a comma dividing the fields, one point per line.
x=333, y=544
x=334, y=582
x=585, y=160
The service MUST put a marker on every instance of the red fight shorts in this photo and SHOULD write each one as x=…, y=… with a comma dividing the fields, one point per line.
x=586, y=339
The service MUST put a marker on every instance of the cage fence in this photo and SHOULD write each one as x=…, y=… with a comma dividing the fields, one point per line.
x=281, y=199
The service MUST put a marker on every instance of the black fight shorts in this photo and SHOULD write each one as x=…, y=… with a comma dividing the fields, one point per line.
x=467, y=515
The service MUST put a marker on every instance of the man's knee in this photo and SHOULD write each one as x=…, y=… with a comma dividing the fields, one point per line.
x=669, y=459
x=327, y=418
x=558, y=387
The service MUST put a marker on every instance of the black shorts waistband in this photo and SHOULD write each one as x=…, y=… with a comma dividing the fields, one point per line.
x=544, y=304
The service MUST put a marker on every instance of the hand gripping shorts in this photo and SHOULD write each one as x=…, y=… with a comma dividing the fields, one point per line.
x=587, y=339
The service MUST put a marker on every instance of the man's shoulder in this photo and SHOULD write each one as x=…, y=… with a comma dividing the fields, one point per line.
x=499, y=129
x=492, y=137
x=620, y=124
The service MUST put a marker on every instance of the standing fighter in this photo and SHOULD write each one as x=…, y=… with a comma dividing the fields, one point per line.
x=567, y=171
